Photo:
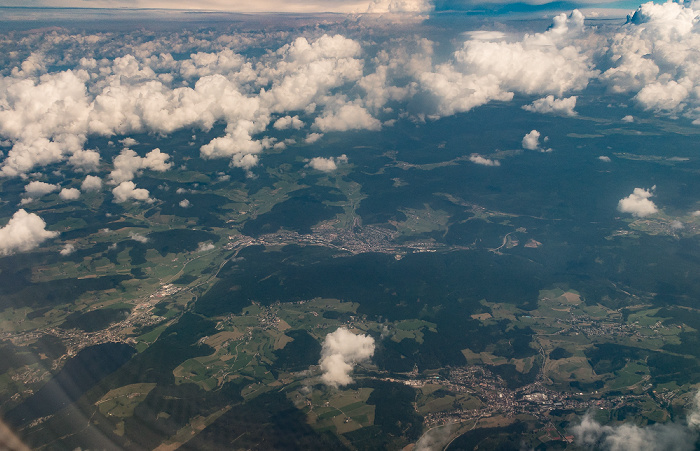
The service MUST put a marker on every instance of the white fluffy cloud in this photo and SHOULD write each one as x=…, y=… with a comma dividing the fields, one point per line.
x=127, y=191
x=554, y=62
x=69, y=193
x=531, y=141
x=185, y=203
x=478, y=159
x=656, y=58
x=47, y=119
x=288, y=122
x=341, y=350
x=338, y=83
x=205, y=246
x=549, y=104
x=67, y=249
x=91, y=183
x=128, y=164
x=237, y=144
x=313, y=137
x=638, y=203
x=138, y=237
x=347, y=117
x=399, y=6
x=37, y=188
x=24, y=232
x=327, y=164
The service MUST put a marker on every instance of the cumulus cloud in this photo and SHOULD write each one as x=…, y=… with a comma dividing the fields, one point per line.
x=478, y=159
x=128, y=163
x=37, y=188
x=638, y=203
x=347, y=117
x=205, y=246
x=47, y=120
x=67, y=249
x=655, y=57
x=554, y=62
x=24, y=232
x=531, y=141
x=69, y=193
x=44, y=117
x=184, y=203
x=628, y=119
x=128, y=191
x=313, y=137
x=85, y=160
x=604, y=159
x=549, y=104
x=288, y=122
x=91, y=183
x=335, y=82
x=399, y=6
x=341, y=350
x=326, y=164
x=138, y=237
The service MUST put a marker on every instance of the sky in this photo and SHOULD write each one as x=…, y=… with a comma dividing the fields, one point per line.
x=338, y=6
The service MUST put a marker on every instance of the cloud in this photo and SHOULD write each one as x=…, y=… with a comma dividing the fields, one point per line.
x=436, y=438
x=69, y=193
x=399, y=6
x=554, y=62
x=67, y=249
x=204, y=246
x=24, y=232
x=347, y=117
x=638, y=203
x=115, y=88
x=563, y=107
x=184, y=203
x=138, y=237
x=269, y=6
x=45, y=118
x=693, y=418
x=237, y=144
x=628, y=119
x=85, y=160
x=531, y=141
x=326, y=164
x=128, y=191
x=604, y=159
x=128, y=164
x=655, y=58
x=629, y=437
x=91, y=183
x=313, y=137
x=37, y=188
x=286, y=122
x=341, y=350
x=478, y=159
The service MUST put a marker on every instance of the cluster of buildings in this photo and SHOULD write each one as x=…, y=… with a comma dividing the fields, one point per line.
x=355, y=240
